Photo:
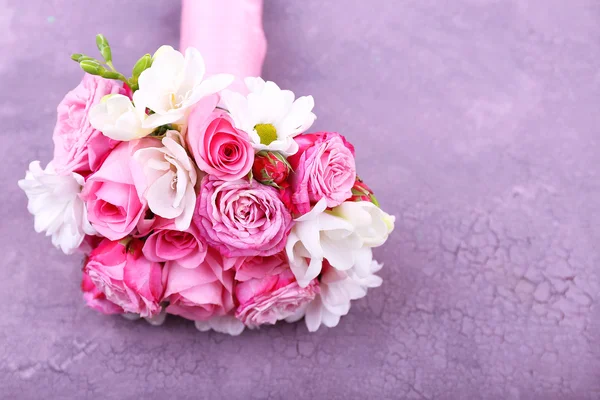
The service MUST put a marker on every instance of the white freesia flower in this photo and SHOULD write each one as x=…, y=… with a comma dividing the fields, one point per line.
x=54, y=202
x=342, y=236
x=270, y=115
x=337, y=290
x=175, y=83
x=223, y=324
x=117, y=118
x=371, y=223
x=318, y=235
x=169, y=179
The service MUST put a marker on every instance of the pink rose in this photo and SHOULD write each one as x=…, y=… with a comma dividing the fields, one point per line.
x=113, y=205
x=272, y=298
x=324, y=167
x=242, y=218
x=126, y=277
x=166, y=243
x=95, y=299
x=78, y=147
x=259, y=267
x=202, y=292
x=218, y=147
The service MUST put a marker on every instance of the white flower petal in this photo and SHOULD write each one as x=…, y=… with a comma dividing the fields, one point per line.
x=57, y=208
x=174, y=83
x=227, y=324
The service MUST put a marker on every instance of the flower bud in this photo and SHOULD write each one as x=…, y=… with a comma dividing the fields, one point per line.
x=361, y=192
x=92, y=67
x=271, y=168
x=141, y=65
x=104, y=47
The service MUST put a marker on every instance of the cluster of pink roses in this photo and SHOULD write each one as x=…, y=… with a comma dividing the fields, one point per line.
x=193, y=217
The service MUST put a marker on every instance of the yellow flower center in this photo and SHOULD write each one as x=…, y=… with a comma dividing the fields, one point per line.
x=266, y=132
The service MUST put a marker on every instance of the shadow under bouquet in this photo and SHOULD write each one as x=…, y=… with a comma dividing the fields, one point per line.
x=192, y=199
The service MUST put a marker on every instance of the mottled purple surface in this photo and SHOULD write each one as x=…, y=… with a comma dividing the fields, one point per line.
x=477, y=124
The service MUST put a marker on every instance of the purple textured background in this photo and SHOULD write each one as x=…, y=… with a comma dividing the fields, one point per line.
x=476, y=122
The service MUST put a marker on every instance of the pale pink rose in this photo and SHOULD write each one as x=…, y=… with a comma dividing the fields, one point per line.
x=257, y=267
x=184, y=248
x=113, y=205
x=78, y=147
x=324, y=167
x=218, y=147
x=272, y=298
x=242, y=218
x=202, y=292
x=97, y=300
x=165, y=176
x=126, y=277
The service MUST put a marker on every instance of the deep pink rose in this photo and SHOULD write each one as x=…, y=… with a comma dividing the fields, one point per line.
x=78, y=147
x=242, y=218
x=97, y=300
x=202, y=292
x=272, y=298
x=126, y=277
x=218, y=147
x=186, y=249
x=324, y=167
x=259, y=267
x=113, y=205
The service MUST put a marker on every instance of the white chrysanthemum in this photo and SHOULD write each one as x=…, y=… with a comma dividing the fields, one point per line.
x=175, y=83
x=343, y=236
x=337, y=290
x=55, y=204
x=223, y=324
x=270, y=115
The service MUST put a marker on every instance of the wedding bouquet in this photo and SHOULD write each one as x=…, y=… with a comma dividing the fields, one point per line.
x=191, y=199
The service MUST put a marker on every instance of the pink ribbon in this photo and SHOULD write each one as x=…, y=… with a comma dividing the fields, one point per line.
x=229, y=35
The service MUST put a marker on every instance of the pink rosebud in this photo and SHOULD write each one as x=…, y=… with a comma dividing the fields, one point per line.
x=126, y=277
x=202, y=292
x=166, y=243
x=361, y=192
x=271, y=169
x=113, y=205
x=272, y=298
x=324, y=167
x=78, y=147
x=97, y=300
x=241, y=218
x=217, y=146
